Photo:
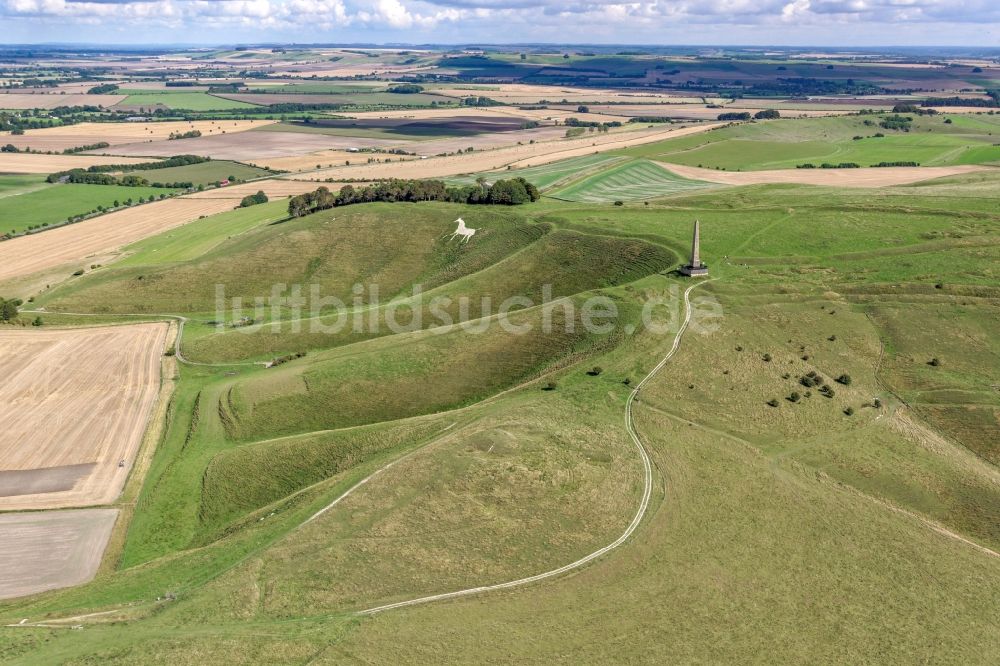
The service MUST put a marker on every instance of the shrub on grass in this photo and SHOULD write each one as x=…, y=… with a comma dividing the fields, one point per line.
x=934, y=362
x=773, y=402
x=849, y=411
x=794, y=397
x=844, y=379
x=596, y=370
x=767, y=358
x=550, y=386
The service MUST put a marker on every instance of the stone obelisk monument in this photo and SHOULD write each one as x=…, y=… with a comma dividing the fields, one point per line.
x=695, y=268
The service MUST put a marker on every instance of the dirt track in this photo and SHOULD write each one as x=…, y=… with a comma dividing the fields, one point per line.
x=74, y=402
x=51, y=549
x=865, y=177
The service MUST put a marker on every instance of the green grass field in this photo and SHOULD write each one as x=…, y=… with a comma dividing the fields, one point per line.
x=547, y=176
x=203, y=173
x=53, y=204
x=636, y=180
x=192, y=101
x=13, y=185
x=786, y=523
x=766, y=145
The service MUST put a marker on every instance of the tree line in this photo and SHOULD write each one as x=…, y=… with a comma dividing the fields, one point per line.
x=510, y=192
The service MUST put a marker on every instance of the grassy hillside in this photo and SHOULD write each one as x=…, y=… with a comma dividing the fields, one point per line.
x=788, y=521
x=334, y=249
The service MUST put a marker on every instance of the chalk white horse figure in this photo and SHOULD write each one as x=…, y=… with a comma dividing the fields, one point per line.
x=465, y=232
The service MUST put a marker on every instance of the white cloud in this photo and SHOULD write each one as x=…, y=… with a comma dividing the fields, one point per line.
x=493, y=20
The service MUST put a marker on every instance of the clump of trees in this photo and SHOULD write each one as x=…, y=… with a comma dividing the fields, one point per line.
x=896, y=122
x=91, y=146
x=254, y=199
x=9, y=309
x=406, y=89
x=767, y=114
x=193, y=134
x=510, y=192
x=103, y=89
x=735, y=116
x=89, y=178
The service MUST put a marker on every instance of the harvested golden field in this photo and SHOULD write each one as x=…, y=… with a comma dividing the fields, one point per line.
x=864, y=177
x=35, y=163
x=70, y=136
x=520, y=156
x=273, y=188
x=75, y=404
x=97, y=239
x=49, y=550
x=327, y=158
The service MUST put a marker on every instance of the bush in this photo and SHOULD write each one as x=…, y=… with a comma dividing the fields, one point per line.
x=844, y=379
x=9, y=309
x=550, y=386
x=37, y=321
x=794, y=397
x=595, y=371
x=773, y=402
x=934, y=362
x=849, y=411
x=767, y=358
x=254, y=199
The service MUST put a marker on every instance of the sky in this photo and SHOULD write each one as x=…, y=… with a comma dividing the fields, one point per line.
x=744, y=22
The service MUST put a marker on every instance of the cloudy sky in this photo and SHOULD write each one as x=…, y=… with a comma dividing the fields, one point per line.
x=777, y=22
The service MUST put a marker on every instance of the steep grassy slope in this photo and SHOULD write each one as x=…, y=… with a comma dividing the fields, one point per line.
x=333, y=250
